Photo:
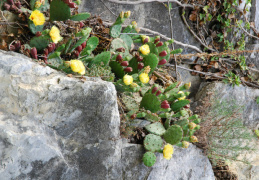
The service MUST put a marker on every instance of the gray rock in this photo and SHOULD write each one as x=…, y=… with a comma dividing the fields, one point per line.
x=249, y=114
x=245, y=96
x=185, y=164
x=56, y=127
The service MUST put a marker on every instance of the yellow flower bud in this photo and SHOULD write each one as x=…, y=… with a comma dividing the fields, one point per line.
x=55, y=34
x=144, y=78
x=37, y=4
x=134, y=23
x=144, y=49
x=193, y=139
x=37, y=18
x=127, y=79
x=185, y=144
x=133, y=85
x=127, y=14
x=77, y=66
x=168, y=151
x=191, y=125
x=122, y=14
x=187, y=85
x=183, y=97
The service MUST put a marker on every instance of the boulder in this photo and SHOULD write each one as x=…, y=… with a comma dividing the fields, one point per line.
x=56, y=127
x=242, y=101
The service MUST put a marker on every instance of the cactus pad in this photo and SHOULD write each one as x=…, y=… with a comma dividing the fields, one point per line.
x=80, y=17
x=179, y=104
x=156, y=128
x=102, y=59
x=59, y=11
x=149, y=159
x=115, y=30
x=150, y=102
x=153, y=142
x=34, y=29
x=40, y=42
x=152, y=117
x=127, y=39
x=152, y=61
x=182, y=123
x=117, y=69
x=173, y=134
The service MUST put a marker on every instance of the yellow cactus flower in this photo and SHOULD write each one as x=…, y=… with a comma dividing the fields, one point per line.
x=144, y=49
x=144, y=78
x=168, y=151
x=55, y=34
x=127, y=14
x=183, y=97
x=127, y=79
x=77, y=66
x=37, y=18
x=37, y=4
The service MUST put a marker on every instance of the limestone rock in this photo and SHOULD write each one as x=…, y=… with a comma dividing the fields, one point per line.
x=57, y=127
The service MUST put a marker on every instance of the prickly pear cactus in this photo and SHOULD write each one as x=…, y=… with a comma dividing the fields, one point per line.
x=115, y=30
x=173, y=134
x=177, y=51
x=179, y=104
x=34, y=29
x=150, y=102
x=153, y=142
x=80, y=17
x=102, y=59
x=149, y=159
x=40, y=42
x=127, y=39
x=182, y=123
x=153, y=117
x=59, y=11
x=118, y=43
x=156, y=128
x=44, y=6
x=117, y=69
x=92, y=43
x=152, y=61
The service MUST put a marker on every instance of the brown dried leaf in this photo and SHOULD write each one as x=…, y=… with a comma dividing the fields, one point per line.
x=193, y=16
x=198, y=67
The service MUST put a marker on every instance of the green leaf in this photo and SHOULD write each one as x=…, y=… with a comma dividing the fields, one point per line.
x=92, y=43
x=59, y=11
x=40, y=42
x=80, y=17
x=257, y=100
x=34, y=28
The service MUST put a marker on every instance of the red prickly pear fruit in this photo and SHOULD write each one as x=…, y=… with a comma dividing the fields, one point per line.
x=154, y=89
x=79, y=48
x=7, y=6
x=50, y=48
x=83, y=44
x=128, y=69
x=10, y=2
x=46, y=52
x=145, y=40
x=34, y=53
x=72, y=5
x=156, y=40
x=165, y=105
x=162, y=62
x=159, y=44
x=53, y=46
x=119, y=58
x=133, y=116
x=38, y=33
x=124, y=63
x=12, y=47
x=76, y=53
x=158, y=93
x=140, y=58
x=13, y=7
x=187, y=106
x=163, y=53
x=122, y=49
x=140, y=65
x=17, y=45
x=81, y=24
x=18, y=4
